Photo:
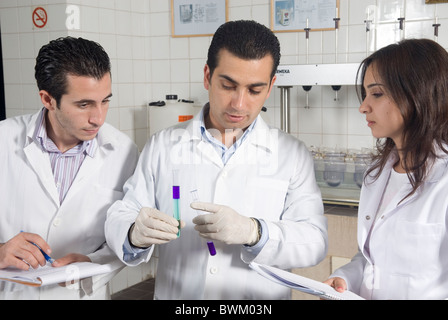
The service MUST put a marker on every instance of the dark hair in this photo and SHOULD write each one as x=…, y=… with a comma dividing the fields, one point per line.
x=69, y=56
x=415, y=75
x=245, y=39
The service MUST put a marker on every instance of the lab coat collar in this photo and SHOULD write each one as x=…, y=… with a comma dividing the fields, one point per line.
x=264, y=136
x=261, y=135
x=106, y=137
x=32, y=127
x=440, y=166
x=38, y=159
x=381, y=183
x=193, y=129
x=107, y=140
x=436, y=172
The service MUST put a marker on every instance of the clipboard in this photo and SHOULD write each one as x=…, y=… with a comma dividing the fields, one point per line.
x=48, y=275
x=302, y=284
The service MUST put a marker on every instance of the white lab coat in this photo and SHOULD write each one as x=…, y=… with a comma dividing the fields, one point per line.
x=408, y=256
x=269, y=177
x=29, y=201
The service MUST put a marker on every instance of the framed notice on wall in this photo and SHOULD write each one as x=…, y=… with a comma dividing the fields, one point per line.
x=197, y=17
x=296, y=15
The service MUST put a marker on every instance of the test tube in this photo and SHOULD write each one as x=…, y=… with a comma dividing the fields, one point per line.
x=210, y=244
x=176, y=197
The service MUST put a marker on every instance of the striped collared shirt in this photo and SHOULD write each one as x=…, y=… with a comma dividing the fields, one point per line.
x=66, y=165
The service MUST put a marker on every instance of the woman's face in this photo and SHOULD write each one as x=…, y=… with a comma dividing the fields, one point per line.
x=382, y=113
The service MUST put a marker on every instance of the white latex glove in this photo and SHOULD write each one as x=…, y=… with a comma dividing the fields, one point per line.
x=224, y=224
x=153, y=227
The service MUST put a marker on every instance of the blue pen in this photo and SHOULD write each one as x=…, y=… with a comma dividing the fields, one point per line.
x=46, y=256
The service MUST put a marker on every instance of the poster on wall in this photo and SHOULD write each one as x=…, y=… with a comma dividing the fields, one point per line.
x=296, y=15
x=197, y=17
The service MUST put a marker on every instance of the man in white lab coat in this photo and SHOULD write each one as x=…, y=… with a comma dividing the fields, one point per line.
x=61, y=170
x=248, y=188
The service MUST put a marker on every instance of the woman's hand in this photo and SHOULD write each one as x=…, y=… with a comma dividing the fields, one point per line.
x=338, y=284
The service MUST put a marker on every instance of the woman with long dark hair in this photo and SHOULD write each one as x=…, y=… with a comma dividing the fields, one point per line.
x=402, y=218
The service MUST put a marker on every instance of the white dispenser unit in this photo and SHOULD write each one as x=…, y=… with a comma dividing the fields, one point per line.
x=166, y=114
x=311, y=75
x=317, y=74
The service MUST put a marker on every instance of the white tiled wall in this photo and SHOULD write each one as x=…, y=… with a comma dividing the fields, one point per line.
x=148, y=63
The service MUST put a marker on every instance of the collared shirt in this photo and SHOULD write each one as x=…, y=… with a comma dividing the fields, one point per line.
x=226, y=153
x=65, y=165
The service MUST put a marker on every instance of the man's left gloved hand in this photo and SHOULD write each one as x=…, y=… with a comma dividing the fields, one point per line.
x=225, y=224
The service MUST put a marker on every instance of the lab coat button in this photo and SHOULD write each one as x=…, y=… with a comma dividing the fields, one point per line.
x=367, y=217
x=213, y=270
x=56, y=222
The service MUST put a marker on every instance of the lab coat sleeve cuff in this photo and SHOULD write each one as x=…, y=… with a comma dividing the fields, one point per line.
x=256, y=249
x=131, y=253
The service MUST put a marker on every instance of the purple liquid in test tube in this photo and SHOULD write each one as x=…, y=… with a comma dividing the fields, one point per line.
x=211, y=248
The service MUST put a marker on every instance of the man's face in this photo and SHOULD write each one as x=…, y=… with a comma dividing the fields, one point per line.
x=81, y=113
x=237, y=89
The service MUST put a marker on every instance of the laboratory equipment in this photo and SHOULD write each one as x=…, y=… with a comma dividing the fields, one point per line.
x=176, y=197
x=361, y=162
x=284, y=112
x=334, y=168
x=307, y=76
x=336, y=31
x=340, y=173
x=368, y=23
x=307, y=101
x=164, y=114
x=436, y=30
x=210, y=244
x=307, y=39
x=336, y=90
x=401, y=27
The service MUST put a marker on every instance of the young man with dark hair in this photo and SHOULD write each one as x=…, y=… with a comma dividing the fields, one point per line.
x=61, y=170
x=259, y=200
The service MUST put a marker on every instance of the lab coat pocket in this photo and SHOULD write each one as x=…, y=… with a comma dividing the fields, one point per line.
x=266, y=197
x=415, y=247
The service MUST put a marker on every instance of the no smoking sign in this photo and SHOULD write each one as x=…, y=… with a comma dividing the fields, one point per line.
x=40, y=17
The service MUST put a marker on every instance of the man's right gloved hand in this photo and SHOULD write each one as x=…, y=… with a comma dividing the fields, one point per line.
x=153, y=227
